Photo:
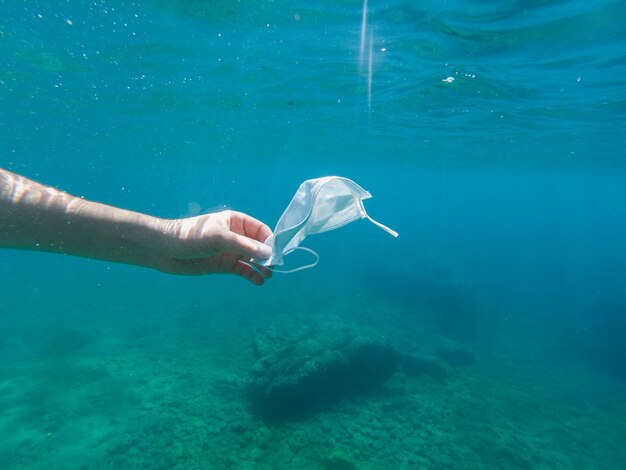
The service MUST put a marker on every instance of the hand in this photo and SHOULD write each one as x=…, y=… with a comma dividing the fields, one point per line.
x=222, y=242
x=38, y=217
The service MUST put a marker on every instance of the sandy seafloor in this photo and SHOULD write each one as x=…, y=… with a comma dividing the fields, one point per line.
x=125, y=388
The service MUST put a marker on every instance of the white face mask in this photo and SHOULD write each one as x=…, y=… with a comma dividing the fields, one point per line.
x=319, y=205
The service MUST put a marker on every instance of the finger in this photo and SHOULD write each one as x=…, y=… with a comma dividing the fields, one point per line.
x=231, y=263
x=243, y=224
x=266, y=273
x=247, y=272
x=262, y=270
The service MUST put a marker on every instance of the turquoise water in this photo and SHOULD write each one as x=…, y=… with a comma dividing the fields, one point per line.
x=490, y=135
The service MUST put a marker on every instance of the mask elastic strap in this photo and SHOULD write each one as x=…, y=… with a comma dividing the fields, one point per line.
x=301, y=268
x=384, y=227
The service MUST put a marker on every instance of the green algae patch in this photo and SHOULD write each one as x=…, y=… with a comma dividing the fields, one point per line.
x=339, y=461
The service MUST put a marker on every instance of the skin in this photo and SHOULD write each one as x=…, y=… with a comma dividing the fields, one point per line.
x=38, y=217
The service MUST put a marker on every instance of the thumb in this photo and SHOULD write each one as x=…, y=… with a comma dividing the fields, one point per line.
x=245, y=246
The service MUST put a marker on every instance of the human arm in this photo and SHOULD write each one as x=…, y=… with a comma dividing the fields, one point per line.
x=38, y=217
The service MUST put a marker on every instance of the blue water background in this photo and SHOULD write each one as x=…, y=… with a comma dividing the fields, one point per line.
x=510, y=179
x=515, y=168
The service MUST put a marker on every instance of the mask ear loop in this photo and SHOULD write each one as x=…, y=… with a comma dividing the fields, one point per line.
x=301, y=268
x=384, y=227
x=391, y=232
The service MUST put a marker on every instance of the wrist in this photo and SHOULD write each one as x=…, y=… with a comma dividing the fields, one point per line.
x=109, y=233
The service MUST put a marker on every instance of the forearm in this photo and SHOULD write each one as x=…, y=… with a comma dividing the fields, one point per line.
x=38, y=217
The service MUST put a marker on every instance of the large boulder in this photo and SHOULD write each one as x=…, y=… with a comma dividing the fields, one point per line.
x=306, y=368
